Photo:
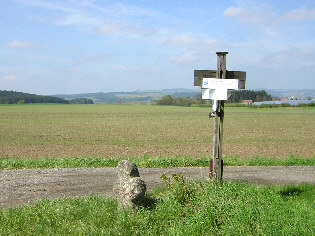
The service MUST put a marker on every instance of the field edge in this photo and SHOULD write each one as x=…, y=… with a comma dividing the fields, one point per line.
x=149, y=162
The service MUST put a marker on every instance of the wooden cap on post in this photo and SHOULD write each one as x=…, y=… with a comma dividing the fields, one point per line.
x=221, y=53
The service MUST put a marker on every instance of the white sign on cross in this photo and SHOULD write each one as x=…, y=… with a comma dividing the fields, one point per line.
x=217, y=89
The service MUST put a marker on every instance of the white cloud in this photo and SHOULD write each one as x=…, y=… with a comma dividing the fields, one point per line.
x=19, y=44
x=193, y=49
x=244, y=15
x=76, y=11
x=114, y=28
x=48, y=5
x=267, y=16
x=180, y=40
x=130, y=10
x=211, y=44
x=76, y=70
x=193, y=42
x=11, y=77
x=187, y=57
x=80, y=19
x=114, y=9
x=298, y=15
x=292, y=57
x=96, y=57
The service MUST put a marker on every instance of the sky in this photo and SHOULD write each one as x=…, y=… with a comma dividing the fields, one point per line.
x=79, y=46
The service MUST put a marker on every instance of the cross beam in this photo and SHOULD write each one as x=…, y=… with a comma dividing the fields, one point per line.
x=200, y=74
x=216, y=164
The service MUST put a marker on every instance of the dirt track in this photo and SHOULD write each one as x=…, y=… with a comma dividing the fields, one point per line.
x=28, y=185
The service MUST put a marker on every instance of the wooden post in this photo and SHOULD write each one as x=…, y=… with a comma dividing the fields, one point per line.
x=216, y=163
x=217, y=171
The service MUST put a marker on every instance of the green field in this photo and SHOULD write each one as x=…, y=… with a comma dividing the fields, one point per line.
x=133, y=131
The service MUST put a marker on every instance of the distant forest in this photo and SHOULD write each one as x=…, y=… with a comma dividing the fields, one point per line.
x=236, y=97
x=255, y=96
x=12, y=97
x=81, y=101
x=178, y=98
x=130, y=97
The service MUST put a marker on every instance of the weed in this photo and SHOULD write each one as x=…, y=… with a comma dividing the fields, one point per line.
x=178, y=186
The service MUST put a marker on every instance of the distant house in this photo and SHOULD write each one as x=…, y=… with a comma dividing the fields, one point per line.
x=247, y=101
x=284, y=99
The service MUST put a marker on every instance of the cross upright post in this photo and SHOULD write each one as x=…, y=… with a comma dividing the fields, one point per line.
x=217, y=164
x=215, y=85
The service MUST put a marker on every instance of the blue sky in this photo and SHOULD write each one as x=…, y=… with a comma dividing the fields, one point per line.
x=73, y=46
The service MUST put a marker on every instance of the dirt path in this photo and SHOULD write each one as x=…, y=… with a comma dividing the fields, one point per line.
x=28, y=185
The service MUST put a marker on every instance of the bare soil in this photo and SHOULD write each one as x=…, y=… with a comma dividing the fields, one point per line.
x=106, y=131
x=28, y=185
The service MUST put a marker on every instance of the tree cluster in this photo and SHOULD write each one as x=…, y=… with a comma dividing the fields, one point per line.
x=255, y=96
x=12, y=97
x=237, y=96
x=179, y=101
x=81, y=101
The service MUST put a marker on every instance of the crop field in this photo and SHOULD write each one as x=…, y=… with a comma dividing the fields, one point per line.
x=53, y=131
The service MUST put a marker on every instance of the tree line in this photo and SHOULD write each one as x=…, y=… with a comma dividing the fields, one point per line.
x=236, y=97
x=256, y=96
x=179, y=101
x=81, y=101
x=13, y=97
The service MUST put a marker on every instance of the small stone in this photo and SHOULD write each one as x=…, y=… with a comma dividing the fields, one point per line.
x=126, y=169
x=129, y=188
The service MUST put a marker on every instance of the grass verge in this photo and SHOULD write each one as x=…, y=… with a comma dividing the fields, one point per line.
x=148, y=162
x=178, y=208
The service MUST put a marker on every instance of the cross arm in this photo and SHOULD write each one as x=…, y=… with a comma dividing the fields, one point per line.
x=200, y=74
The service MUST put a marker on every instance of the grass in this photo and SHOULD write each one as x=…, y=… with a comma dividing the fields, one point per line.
x=178, y=208
x=148, y=162
x=124, y=131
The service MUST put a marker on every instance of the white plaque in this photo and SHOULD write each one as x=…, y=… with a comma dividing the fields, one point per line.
x=219, y=94
x=212, y=83
x=206, y=94
x=215, y=94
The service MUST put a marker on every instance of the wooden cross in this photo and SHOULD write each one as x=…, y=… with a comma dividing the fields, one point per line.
x=217, y=90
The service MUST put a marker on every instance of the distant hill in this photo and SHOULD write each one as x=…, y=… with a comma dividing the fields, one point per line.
x=148, y=96
x=96, y=97
x=138, y=96
x=13, y=97
x=132, y=97
x=292, y=93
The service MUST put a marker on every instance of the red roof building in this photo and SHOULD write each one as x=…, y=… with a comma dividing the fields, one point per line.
x=247, y=101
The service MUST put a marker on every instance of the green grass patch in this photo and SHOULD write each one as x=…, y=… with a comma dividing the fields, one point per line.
x=148, y=162
x=264, y=161
x=178, y=208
